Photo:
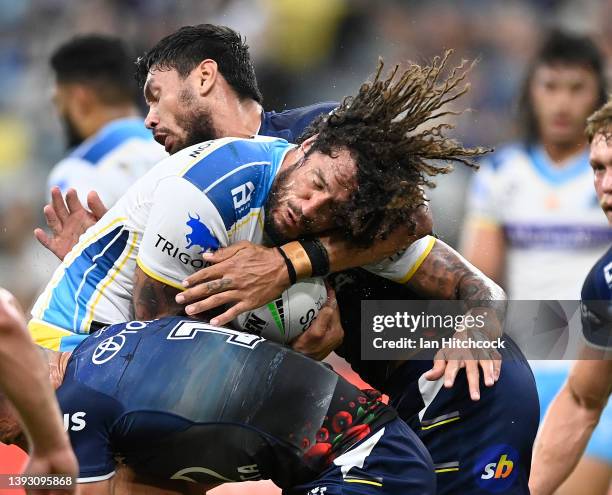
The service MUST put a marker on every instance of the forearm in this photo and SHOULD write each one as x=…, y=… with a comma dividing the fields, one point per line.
x=563, y=437
x=24, y=377
x=445, y=274
x=342, y=255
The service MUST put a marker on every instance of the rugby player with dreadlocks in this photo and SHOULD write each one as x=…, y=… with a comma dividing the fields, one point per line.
x=371, y=143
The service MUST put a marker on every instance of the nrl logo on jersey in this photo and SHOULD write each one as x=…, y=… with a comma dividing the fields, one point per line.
x=200, y=235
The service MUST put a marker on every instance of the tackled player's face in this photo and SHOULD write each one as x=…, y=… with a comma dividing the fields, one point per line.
x=563, y=96
x=305, y=195
x=178, y=116
x=601, y=162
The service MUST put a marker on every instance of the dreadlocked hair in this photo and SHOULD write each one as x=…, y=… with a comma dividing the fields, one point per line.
x=395, y=159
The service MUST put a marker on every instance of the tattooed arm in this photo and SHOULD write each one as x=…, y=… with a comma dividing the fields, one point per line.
x=445, y=274
x=153, y=299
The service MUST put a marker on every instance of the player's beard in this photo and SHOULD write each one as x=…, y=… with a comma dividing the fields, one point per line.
x=73, y=138
x=197, y=124
x=277, y=198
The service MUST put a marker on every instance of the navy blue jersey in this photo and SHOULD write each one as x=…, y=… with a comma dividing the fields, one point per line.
x=465, y=438
x=168, y=395
x=290, y=124
x=596, y=303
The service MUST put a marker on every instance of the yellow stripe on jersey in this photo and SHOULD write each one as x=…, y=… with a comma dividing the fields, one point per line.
x=157, y=277
x=47, y=335
x=111, y=278
x=365, y=482
x=246, y=220
x=70, y=257
x=419, y=261
x=446, y=470
x=440, y=423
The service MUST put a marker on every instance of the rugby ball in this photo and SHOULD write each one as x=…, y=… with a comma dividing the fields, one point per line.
x=288, y=316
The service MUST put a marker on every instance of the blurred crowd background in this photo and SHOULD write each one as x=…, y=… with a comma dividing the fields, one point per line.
x=304, y=51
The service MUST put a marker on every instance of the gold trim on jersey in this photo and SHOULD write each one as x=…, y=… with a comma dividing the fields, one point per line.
x=419, y=261
x=110, y=279
x=70, y=257
x=155, y=276
x=46, y=335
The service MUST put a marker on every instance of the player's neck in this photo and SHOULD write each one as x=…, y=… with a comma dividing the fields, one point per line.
x=96, y=120
x=239, y=118
x=561, y=153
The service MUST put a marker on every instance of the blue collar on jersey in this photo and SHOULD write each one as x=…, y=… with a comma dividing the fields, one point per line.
x=558, y=175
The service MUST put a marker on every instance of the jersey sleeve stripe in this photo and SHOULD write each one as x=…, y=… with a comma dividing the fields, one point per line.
x=417, y=264
x=102, y=265
x=71, y=293
x=155, y=276
x=116, y=271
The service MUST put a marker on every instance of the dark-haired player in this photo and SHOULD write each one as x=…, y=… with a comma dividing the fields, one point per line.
x=533, y=208
x=96, y=98
x=579, y=406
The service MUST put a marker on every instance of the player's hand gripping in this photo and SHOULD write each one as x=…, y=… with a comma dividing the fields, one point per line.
x=245, y=274
x=448, y=362
x=68, y=220
x=325, y=333
x=57, y=461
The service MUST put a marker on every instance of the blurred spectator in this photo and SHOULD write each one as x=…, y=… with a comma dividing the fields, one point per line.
x=534, y=223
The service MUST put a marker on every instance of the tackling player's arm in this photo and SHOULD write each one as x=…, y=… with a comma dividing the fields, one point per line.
x=25, y=380
x=259, y=274
x=568, y=424
x=445, y=274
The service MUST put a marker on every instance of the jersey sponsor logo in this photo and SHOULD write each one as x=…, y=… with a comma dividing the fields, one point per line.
x=608, y=274
x=75, y=421
x=108, y=348
x=242, y=196
x=200, y=235
x=319, y=490
x=173, y=251
x=188, y=330
x=497, y=468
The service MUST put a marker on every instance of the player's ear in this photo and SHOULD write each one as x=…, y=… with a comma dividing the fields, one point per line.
x=307, y=144
x=206, y=72
x=82, y=100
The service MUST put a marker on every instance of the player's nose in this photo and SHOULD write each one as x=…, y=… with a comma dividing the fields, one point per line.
x=316, y=205
x=152, y=119
x=607, y=181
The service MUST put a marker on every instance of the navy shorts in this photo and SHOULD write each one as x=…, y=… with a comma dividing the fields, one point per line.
x=478, y=447
x=392, y=461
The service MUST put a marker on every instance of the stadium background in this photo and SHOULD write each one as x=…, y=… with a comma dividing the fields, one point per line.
x=304, y=51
